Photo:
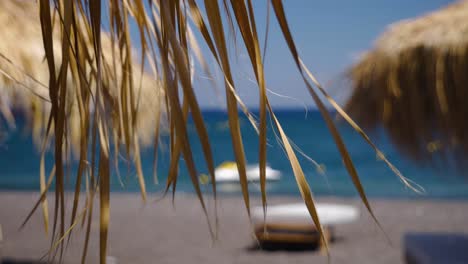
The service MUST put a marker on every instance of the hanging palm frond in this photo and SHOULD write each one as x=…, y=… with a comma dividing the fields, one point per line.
x=93, y=85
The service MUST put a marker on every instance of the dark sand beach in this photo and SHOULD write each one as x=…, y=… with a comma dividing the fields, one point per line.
x=160, y=233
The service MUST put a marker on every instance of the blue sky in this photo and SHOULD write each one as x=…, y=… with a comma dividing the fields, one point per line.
x=330, y=35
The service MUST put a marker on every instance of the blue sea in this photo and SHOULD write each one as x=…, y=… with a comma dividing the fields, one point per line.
x=19, y=162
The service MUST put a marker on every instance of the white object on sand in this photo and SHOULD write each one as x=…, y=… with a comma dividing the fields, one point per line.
x=227, y=172
x=111, y=260
x=297, y=214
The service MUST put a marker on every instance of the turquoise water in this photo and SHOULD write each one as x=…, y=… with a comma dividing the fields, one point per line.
x=19, y=162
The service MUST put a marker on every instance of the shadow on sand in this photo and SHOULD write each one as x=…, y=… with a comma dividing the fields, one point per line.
x=290, y=247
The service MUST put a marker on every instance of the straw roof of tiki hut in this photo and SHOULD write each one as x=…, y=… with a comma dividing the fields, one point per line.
x=414, y=82
x=24, y=76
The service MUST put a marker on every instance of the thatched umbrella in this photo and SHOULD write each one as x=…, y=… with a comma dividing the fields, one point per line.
x=414, y=82
x=24, y=76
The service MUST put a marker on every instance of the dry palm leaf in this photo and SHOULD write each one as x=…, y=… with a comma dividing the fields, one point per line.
x=98, y=100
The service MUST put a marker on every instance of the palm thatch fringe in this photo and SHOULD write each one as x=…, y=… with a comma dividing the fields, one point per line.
x=415, y=83
x=92, y=75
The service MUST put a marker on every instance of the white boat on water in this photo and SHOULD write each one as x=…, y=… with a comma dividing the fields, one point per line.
x=227, y=173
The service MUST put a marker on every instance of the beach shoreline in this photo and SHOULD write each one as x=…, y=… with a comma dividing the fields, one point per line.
x=160, y=232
